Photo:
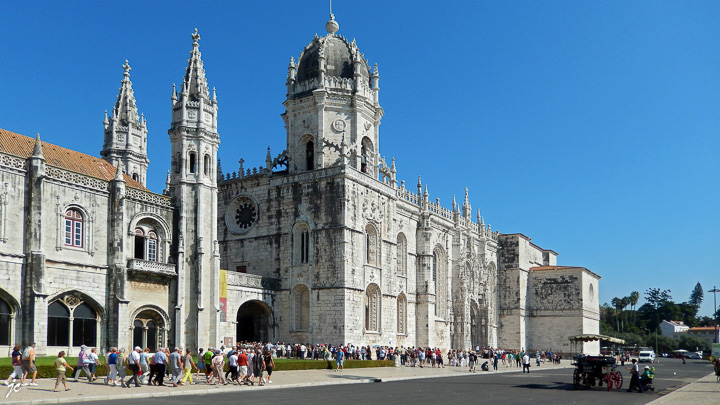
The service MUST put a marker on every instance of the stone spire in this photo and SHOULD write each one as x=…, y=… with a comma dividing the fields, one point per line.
x=195, y=84
x=125, y=110
x=126, y=132
x=37, y=150
x=467, y=210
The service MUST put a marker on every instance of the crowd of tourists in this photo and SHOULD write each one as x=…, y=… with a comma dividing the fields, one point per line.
x=249, y=363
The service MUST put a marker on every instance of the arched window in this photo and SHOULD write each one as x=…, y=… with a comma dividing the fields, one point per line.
x=401, y=314
x=401, y=255
x=58, y=325
x=147, y=243
x=139, y=244
x=136, y=177
x=440, y=279
x=301, y=307
x=73, y=228
x=138, y=332
x=178, y=163
x=367, y=156
x=363, y=159
x=206, y=164
x=193, y=162
x=152, y=240
x=309, y=155
x=371, y=245
x=5, y=323
x=148, y=329
x=372, y=308
x=84, y=325
x=301, y=243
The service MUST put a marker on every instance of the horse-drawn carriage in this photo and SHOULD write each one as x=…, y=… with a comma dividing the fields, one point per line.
x=596, y=370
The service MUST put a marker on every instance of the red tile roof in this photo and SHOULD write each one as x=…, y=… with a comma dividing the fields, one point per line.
x=22, y=146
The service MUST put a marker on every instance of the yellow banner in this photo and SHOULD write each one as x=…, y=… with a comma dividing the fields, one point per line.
x=223, y=283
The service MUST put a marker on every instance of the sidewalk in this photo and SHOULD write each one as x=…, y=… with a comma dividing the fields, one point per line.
x=84, y=391
x=703, y=391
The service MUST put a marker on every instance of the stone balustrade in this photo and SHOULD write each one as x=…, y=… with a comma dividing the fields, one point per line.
x=148, y=267
x=252, y=281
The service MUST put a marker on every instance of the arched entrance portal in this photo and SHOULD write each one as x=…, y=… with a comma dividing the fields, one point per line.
x=149, y=330
x=254, y=322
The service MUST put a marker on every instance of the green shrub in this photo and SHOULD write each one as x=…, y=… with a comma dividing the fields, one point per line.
x=47, y=370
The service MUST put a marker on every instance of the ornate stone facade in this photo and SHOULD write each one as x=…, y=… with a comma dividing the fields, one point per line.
x=320, y=244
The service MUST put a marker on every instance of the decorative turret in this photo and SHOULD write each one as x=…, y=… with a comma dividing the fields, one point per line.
x=193, y=129
x=193, y=187
x=467, y=210
x=333, y=77
x=126, y=133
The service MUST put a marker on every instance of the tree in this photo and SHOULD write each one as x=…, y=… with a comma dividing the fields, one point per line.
x=633, y=300
x=696, y=297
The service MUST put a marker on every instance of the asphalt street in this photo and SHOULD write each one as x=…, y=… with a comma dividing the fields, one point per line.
x=539, y=387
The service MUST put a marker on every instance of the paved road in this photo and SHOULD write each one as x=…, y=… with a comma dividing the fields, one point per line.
x=541, y=386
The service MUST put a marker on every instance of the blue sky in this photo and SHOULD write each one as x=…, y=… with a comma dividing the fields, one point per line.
x=589, y=126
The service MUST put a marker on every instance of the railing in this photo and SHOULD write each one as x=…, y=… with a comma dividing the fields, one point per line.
x=145, y=266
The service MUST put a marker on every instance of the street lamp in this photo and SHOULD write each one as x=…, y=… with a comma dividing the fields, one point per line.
x=714, y=291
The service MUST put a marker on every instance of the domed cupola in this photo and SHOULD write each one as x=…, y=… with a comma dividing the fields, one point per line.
x=329, y=61
x=332, y=114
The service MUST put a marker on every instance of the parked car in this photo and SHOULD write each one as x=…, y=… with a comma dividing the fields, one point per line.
x=646, y=356
x=693, y=355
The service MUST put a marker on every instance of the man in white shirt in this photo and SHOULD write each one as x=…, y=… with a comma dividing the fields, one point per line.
x=133, y=361
x=526, y=363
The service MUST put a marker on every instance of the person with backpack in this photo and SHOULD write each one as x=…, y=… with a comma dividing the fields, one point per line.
x=133, y=361
x=28, y=365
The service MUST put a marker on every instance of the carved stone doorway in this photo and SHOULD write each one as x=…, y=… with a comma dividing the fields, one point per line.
x=254, y=322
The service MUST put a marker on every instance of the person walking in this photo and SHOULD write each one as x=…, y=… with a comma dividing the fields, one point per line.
x=200, y=364
x=122, y=366
x=188, y=364
x=243, y=367
x=16, y=356
x=82, y=365
x=134, y=365
x=269, y=365
x=160, y=363
x=258, y=366
x=232, y=366
x=526, y=363
x=94, y=362
x=175, y=366
x=112, y=365
x=634, y=377
x=208, y=356
x=60, y=370
x=144, y=364
x=218, y=362
x=339, y=360
x=153, y=368
x=28, y=365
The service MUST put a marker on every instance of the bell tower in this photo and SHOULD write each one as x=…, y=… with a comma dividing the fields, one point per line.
x=126, y=133
x=193, y=186
x=332, y=115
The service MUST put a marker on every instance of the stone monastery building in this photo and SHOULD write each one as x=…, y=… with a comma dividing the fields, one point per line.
x=320, y=244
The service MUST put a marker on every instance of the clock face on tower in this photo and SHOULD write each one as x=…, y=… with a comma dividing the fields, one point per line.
x=241, y=214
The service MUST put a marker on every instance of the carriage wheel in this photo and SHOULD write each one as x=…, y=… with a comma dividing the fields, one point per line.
x=576, y=378
x=587, y=380
x=618, y=378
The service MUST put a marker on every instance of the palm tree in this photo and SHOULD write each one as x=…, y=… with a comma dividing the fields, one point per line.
x=618, y=304
x=634, y=297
